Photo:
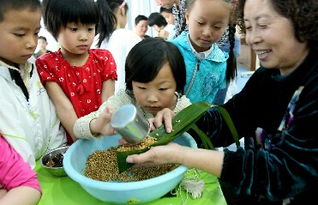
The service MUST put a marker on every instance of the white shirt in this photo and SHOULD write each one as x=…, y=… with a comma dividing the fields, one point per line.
x=81, y=127
x=31, y=127
x=119, y=44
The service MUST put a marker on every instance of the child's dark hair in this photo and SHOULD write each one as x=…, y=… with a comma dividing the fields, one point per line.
x=108, y=21
x=146, y=58
x=231, y=67
x=163, y=9
x=156, y=18
x=43, y=38
x=302, y=14
x=140, y=18
x=58, y=13
x=17, y=5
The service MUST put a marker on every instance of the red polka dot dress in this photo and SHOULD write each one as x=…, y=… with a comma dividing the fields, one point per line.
x=81, y=84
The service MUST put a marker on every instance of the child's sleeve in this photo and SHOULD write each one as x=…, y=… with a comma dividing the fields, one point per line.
x=109, y=66
x=182, y=103
x=44, y=65
x=14, y=172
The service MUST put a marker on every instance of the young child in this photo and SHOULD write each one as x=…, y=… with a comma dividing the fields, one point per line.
x=77, y=78
x=161, y=88
x=18, y=182
x=42, y=44
x=113, y=35
x=159, y=24
x=28, y=118
x=209, y=70
x=168, y=15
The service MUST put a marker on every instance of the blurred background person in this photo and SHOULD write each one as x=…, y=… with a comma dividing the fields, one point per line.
x=141, y=26
x=178, y=8
x=113, y=35
x=42, y=44
x=168, y=15
x=159, y=24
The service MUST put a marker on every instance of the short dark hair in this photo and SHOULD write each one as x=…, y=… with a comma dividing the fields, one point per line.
x=146, y=58
x=17, y=5
x=43, y=38
x=156, y=18
x=163, y=9
x=58, y=13
x=140, y=18
x=108, y=21
x=302, y=14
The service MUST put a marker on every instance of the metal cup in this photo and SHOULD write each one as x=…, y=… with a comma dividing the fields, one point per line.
x=132, y=126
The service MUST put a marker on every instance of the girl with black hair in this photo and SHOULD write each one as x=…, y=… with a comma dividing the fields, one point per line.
x=78, y=79
x=113, y=35
x=209, y=69
x=155, y=80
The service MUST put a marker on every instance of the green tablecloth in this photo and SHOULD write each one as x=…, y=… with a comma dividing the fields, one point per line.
x=64, y=191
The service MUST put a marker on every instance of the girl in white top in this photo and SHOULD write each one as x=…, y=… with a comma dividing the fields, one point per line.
x=155, y=80
x=114, y=37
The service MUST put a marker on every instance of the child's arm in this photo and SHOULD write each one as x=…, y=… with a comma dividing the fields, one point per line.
x=20, y=185
x=21, y=195
x=101, y=124
x=108, y=89
x=63, y=106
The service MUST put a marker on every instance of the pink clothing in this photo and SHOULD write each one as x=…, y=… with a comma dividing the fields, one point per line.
x=14, y=172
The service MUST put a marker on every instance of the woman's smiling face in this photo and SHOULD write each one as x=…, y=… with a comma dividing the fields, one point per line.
x=271, y=36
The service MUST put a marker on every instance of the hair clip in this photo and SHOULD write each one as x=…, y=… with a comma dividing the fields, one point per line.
x=123, y=4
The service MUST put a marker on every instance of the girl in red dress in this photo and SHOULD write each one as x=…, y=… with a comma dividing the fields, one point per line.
x=78, y=79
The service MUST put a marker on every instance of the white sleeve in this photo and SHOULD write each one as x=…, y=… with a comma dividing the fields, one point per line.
x=12, y=130
x=81, y=127
x=182, y=103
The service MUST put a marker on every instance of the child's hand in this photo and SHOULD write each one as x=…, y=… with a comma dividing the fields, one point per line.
x=164, y=116
x=102, y=123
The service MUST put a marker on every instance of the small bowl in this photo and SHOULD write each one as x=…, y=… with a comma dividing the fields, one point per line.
x=53, y=161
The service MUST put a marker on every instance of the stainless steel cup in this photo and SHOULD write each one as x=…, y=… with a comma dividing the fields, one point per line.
x=132, y=126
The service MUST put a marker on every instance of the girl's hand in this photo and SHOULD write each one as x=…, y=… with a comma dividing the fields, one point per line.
x=164, y=116
x=170, y=153
x=102, y=123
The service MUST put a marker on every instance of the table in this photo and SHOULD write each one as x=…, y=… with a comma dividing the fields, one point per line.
x=65, y=191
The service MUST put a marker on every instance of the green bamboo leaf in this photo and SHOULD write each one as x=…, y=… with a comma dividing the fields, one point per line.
x=204, y=138
x=228, y=120
x=181, y=123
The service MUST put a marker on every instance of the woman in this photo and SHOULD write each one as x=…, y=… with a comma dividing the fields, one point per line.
x=276, y=112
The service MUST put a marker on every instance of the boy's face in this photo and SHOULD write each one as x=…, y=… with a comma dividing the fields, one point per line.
x=158, y=93
x=207, y=21
x=19, y=35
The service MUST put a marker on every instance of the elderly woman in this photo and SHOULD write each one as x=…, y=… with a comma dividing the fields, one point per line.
x=276, y=112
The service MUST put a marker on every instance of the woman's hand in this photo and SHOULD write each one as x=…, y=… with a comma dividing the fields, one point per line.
x=102, y=124
x=170, y=153
x=164, y=116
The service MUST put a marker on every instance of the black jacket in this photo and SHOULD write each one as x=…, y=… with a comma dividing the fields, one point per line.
x=285, y=165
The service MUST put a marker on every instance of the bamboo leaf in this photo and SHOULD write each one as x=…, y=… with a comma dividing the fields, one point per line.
x=181, y=123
